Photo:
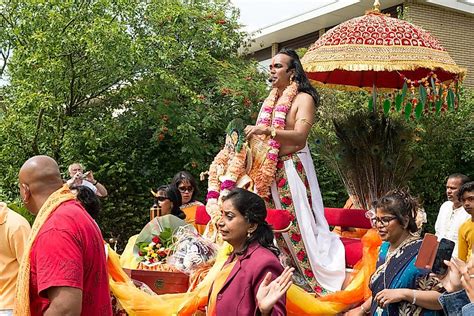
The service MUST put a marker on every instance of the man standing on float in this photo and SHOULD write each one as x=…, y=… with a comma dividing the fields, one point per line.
x=288, y=174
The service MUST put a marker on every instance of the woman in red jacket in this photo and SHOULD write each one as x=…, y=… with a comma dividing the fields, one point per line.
x=254, y=259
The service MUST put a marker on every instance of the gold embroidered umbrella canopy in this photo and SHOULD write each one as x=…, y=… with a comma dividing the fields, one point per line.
x=378, y=51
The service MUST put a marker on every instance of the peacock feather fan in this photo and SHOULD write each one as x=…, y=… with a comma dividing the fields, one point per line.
x=372, y=154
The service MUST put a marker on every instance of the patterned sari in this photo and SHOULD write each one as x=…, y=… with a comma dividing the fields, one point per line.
x=397, y=271
x=316, y=253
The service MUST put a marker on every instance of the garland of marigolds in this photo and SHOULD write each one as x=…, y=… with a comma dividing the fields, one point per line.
x=263, y=178
x=223, y=174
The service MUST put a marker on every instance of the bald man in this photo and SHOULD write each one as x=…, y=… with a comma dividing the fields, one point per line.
x=67, y=273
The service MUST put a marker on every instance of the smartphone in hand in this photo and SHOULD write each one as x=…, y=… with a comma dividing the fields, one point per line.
x=432, y=254
x=445, y=251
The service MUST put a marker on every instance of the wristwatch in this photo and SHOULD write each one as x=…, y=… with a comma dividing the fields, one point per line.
x=273, y=132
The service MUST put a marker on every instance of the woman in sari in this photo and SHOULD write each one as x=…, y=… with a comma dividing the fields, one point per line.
x=398, y=287
x=185, y=183
x=252, y=263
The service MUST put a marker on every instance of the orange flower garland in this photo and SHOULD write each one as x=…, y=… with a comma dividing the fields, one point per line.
x=278, y=108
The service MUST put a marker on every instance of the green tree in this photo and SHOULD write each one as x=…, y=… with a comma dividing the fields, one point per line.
x=135, y=90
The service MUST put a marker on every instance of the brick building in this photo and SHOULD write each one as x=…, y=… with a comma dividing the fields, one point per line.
x=450, y=21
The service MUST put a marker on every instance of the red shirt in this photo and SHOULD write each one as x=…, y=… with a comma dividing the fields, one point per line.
x=69, y=251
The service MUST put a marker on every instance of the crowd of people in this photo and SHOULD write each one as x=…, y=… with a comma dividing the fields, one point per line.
x=58, y=266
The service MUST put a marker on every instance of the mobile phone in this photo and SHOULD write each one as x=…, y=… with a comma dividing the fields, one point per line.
x=85, y=174
x=445, y=251
x=427, y=252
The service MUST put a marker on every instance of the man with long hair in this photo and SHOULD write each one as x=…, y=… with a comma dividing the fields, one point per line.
x=285, y=119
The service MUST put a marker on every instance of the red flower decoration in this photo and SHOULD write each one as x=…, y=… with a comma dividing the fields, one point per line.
x=225, y=91
x=309, y=273
x=296, y=237
x=301, y=255
x=221, y=22
x=282, y=182
x=279, y=164
x=247, y=102
x=318, y=289
x=156, y=240
x=286, y=200
x=299, y=166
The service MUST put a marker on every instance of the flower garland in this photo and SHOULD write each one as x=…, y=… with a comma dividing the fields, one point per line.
x=226, y=168
x=278, y=108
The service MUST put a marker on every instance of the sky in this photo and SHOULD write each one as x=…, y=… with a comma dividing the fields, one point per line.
x=256, y=14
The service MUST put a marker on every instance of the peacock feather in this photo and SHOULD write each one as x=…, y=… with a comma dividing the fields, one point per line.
x=372, y=154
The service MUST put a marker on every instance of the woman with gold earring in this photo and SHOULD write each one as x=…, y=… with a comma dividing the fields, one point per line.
x=235, y=290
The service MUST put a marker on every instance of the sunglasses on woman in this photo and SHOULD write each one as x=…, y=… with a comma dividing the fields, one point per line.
x=384, y=220
x=186, y=189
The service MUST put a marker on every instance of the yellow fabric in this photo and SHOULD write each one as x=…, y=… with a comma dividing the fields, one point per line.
x=217, y=286
x=466, y=240
x=301, y=303
x=14, y=231
x=298, y=302
x=136, y=302
x=127, y=259
x=190, y=211
x=22, y=307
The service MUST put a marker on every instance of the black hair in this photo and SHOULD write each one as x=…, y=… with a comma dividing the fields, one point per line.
x=402, y=205
x=300, y=76
x=185, y=176
x=88, y=199
x=253, y=209
x=175, y=197
x=466, y=187
x=460, y=176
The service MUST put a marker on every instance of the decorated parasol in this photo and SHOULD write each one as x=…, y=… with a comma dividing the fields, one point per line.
x=377, y=51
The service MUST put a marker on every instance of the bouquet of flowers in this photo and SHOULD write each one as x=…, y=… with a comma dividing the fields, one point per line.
x=156, y=251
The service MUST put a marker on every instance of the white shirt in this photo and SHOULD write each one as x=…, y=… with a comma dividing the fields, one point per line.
x=448, y=222
x=89, y=185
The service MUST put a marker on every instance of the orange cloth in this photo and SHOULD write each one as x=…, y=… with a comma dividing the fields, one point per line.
x=190, y=211
x=217, y=286
x=14, y=232
x=298, y=302
x=301, y=303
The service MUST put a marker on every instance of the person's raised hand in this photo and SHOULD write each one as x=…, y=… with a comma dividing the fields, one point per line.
x=451, y=281
x=90, y=176
x=251, y=130
x=269, y=292
x=467, y=279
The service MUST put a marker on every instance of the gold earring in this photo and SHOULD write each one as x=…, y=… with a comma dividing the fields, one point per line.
x=249, y=234
x=292, y=79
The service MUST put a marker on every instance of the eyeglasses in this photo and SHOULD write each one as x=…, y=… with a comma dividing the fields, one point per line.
x=161, y=198
x=186, y=189
x=384, y=220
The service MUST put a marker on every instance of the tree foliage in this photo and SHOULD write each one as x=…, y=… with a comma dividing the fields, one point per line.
x=134, y=90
